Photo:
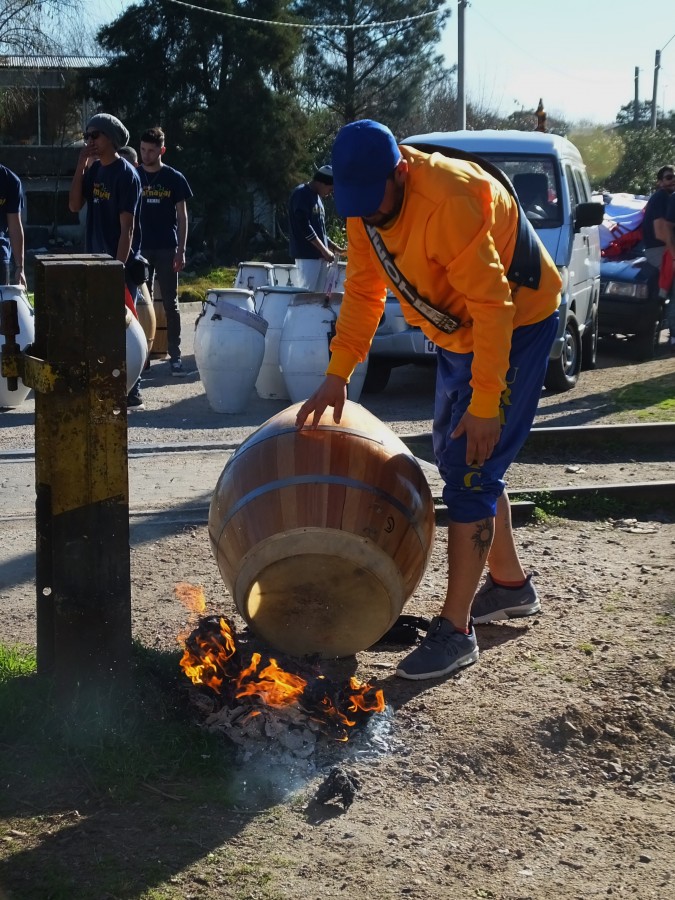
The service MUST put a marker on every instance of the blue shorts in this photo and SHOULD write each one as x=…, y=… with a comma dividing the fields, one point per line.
x=471, y=492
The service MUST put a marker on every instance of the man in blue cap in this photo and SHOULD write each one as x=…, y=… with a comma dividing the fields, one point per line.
x=447, y=236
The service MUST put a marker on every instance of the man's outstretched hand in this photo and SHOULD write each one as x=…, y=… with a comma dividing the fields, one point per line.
x=331, y=392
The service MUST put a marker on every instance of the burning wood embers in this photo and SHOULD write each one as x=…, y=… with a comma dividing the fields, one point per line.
x=251, y=698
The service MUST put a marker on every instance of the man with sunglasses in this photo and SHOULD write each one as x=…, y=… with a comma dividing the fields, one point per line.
x=111, y=188
x=449, y=238
x=657, y=233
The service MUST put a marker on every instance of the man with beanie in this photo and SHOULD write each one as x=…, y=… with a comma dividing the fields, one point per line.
x=111, y=188
x=310, y=246
x=11, y=228
x=448, y=237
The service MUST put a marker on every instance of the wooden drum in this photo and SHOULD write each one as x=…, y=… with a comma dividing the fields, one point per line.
x=160, y=345
x=322, y=535
x=146, y=314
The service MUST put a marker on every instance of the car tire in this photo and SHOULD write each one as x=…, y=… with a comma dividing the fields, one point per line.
x=377, y=376
x=589, y=344
x=562, y=373
x=646, y=343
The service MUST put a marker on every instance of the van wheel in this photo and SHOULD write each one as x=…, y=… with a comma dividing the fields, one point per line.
x=589, y=343
x=645, y=344
x=562, y=373
x=377, y=376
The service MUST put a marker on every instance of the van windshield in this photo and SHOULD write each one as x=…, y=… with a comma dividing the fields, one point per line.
x=535, y=181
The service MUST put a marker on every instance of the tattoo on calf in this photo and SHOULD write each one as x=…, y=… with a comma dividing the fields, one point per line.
x=482, y=538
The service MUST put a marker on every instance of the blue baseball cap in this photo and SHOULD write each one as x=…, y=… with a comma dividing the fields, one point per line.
x=365, y=153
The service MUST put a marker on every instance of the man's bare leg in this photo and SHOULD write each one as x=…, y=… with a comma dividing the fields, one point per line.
x=503, y=560
x=468, y=548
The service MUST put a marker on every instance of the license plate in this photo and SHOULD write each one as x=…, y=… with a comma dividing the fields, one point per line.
x=429, y=346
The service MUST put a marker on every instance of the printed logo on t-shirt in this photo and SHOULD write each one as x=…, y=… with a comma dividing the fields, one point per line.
x=156, y=194
x=100, y=192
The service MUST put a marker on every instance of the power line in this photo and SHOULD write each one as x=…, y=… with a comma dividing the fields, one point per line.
x=666, y=43
x=305, y=25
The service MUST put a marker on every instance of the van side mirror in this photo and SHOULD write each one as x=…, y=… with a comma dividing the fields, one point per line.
x=588, y=214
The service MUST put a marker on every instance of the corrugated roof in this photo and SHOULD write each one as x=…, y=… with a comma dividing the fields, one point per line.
x=51, y=62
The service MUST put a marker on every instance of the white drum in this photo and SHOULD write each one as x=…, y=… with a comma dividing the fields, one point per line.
x=355, y=385
x=251, y=275
x=342, y=274
x=229, y=347
x=241, y=297
x=304, y=352
x=25, y=336
x=136, y=349
x=272, y=306
x=287, y=275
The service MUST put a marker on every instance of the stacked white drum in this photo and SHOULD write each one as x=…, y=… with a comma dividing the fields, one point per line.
x=251, y=275
x=304, y=345
x=229, y=347
x=272, y=304
x=287, y=275
x=25, y=336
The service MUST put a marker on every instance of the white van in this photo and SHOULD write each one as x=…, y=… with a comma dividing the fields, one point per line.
x=550, y=178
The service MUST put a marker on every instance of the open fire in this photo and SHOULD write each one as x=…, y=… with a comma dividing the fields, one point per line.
x=247, y=684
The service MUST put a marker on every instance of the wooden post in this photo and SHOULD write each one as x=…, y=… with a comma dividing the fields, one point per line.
x=82, y=507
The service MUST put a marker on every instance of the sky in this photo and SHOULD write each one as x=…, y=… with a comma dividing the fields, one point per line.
x=579, y=56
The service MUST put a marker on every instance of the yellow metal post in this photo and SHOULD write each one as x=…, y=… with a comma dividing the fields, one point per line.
x=78, y=368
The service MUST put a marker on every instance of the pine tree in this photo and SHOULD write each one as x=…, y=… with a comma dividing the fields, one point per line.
x=376, y=71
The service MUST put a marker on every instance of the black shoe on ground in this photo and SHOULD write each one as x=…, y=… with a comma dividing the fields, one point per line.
x=442, y=651
x=135, y=403
x=494, y=603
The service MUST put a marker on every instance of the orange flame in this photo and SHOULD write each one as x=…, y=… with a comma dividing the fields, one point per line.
x=193, y=599
x=275, y=687
x=210, y=658
x=191, y=596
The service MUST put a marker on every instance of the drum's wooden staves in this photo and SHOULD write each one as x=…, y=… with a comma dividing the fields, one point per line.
x=322, y=535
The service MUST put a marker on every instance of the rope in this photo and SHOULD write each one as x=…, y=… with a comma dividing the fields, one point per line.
x=304, y=25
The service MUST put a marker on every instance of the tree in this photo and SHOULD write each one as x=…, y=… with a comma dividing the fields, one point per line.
x=224, y=92
x=643, y=152
x=626, y=115
x=376, y=71
x=35, y=26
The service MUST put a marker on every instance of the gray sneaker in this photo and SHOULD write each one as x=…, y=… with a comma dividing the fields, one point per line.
x=442, y=651
x=493, y=603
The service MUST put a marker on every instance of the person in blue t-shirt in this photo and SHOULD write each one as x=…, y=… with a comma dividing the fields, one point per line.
x=656, y=233
x=310, y=246
x=164, y=225
x=11, y=229
x=111, y=188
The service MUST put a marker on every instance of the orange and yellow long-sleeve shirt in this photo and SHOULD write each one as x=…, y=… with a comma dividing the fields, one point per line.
x=453, y=239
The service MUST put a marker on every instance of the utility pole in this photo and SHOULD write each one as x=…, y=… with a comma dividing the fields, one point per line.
x=461, y=89
x=657, y=66
x=636, y=102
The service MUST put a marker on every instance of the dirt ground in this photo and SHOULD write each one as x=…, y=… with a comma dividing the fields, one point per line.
x=546, y=770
